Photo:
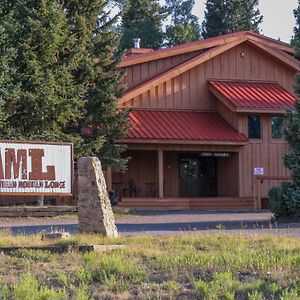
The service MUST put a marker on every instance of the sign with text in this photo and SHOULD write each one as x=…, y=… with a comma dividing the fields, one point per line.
x=36, y=168
x=259, y=171
x=215, y=154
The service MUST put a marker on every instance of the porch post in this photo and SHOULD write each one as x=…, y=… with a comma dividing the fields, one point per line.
x=160, y=173
x=109, y=179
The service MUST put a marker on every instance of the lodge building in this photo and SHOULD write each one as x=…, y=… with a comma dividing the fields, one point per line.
x=206, y=118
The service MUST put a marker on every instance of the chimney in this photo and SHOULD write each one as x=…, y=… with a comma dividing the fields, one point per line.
x=136, y=42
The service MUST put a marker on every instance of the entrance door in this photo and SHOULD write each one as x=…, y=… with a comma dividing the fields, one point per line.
x=198, y=176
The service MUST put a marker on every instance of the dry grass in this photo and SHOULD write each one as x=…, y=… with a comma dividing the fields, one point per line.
x=191, y=266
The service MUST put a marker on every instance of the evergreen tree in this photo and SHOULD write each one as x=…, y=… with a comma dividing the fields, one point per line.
x=59, y=75
x=285, y=199
x=227, y=16
x=184, y=25
x=297, y=25
x=296, y=37
x=141, y=19
x=39, y=95
x=103, y=123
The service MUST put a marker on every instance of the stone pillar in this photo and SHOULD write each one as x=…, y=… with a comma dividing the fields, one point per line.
x=94, y=209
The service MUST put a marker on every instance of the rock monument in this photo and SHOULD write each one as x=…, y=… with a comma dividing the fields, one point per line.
x=95, y=214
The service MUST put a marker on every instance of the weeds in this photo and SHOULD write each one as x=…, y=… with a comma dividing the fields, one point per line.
x=189, y=266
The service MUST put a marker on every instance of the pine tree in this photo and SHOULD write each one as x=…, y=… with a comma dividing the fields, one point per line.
x=285, y=199
x=103, y=123
x=214, y=19
x=227, y=16
x=59, y=75
x=6, y=73
x=184, y=25
x=39, y=95
x=296, y=38
x=142, y=19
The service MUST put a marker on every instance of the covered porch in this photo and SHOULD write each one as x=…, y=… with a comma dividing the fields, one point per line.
x=204, y=177
x=180, y=160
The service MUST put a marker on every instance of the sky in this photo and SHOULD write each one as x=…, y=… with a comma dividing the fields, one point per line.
x=278, y=16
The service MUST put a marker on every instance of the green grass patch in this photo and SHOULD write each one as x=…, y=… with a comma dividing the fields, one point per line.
x=191, y=266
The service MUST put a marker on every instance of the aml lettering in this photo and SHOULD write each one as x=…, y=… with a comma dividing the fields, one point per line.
x=13, y=161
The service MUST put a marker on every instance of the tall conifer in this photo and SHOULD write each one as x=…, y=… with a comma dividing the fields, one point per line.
x=285, y=199
x=227, y=16
x=63, y=82
x=141, y=19
x=39, y=95
x=103, y=123
x=184, y=25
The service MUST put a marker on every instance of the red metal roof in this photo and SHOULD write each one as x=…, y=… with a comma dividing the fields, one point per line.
x=181, y=126
x=253, y=95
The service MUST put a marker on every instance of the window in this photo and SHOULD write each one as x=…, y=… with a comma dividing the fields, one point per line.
x=277, y=127
x=254, y=127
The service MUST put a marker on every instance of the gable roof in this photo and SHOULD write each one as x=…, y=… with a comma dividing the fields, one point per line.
x=204, y=44
x=181, y=126
x=252, y=96
x=201, y=58
x=177, y=70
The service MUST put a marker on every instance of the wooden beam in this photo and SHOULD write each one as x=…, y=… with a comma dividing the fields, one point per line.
x=270, y=42
x=292, y=62
x=176, y=71
x=160, y=173
x=182, y=142
x=259, y=194
x=109, y=178
x=186, y=148
x=181, y=49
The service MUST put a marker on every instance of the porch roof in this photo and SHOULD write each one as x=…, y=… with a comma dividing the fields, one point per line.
x=181, y=126
x=252, y=96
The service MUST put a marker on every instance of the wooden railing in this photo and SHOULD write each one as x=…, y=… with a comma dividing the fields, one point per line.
x=259, y=179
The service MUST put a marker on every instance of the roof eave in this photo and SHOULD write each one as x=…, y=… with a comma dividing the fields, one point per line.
x=181, y=142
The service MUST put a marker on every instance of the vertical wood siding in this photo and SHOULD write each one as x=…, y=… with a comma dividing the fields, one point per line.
x=137, y=74
x=189, y=90
x=266, y=153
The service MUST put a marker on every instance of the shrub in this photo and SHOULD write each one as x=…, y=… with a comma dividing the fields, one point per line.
x=285, y=200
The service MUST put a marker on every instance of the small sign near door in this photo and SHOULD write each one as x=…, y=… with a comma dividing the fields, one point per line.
x=259, y=171
x=215, y=154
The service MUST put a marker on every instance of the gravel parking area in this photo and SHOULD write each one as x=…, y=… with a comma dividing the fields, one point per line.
x=162, y=222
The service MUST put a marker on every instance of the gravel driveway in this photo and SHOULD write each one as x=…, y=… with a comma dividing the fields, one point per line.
x=167, y=222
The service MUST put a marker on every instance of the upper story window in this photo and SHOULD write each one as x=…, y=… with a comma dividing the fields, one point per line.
x=277, y=127
x=254, y=126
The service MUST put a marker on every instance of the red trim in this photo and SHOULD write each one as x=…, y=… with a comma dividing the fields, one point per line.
x=252, y=95
x=181, y=126
x=203, y=44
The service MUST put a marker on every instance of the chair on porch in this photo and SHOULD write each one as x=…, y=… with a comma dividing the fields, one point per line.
x=132, y=189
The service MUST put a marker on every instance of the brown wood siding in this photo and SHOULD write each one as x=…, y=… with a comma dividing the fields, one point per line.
x=189, y=90
x=171, y=174
x=142, y=168
x=231, y=117
x=139, y=73
x=228, y=180
x=266, y=153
